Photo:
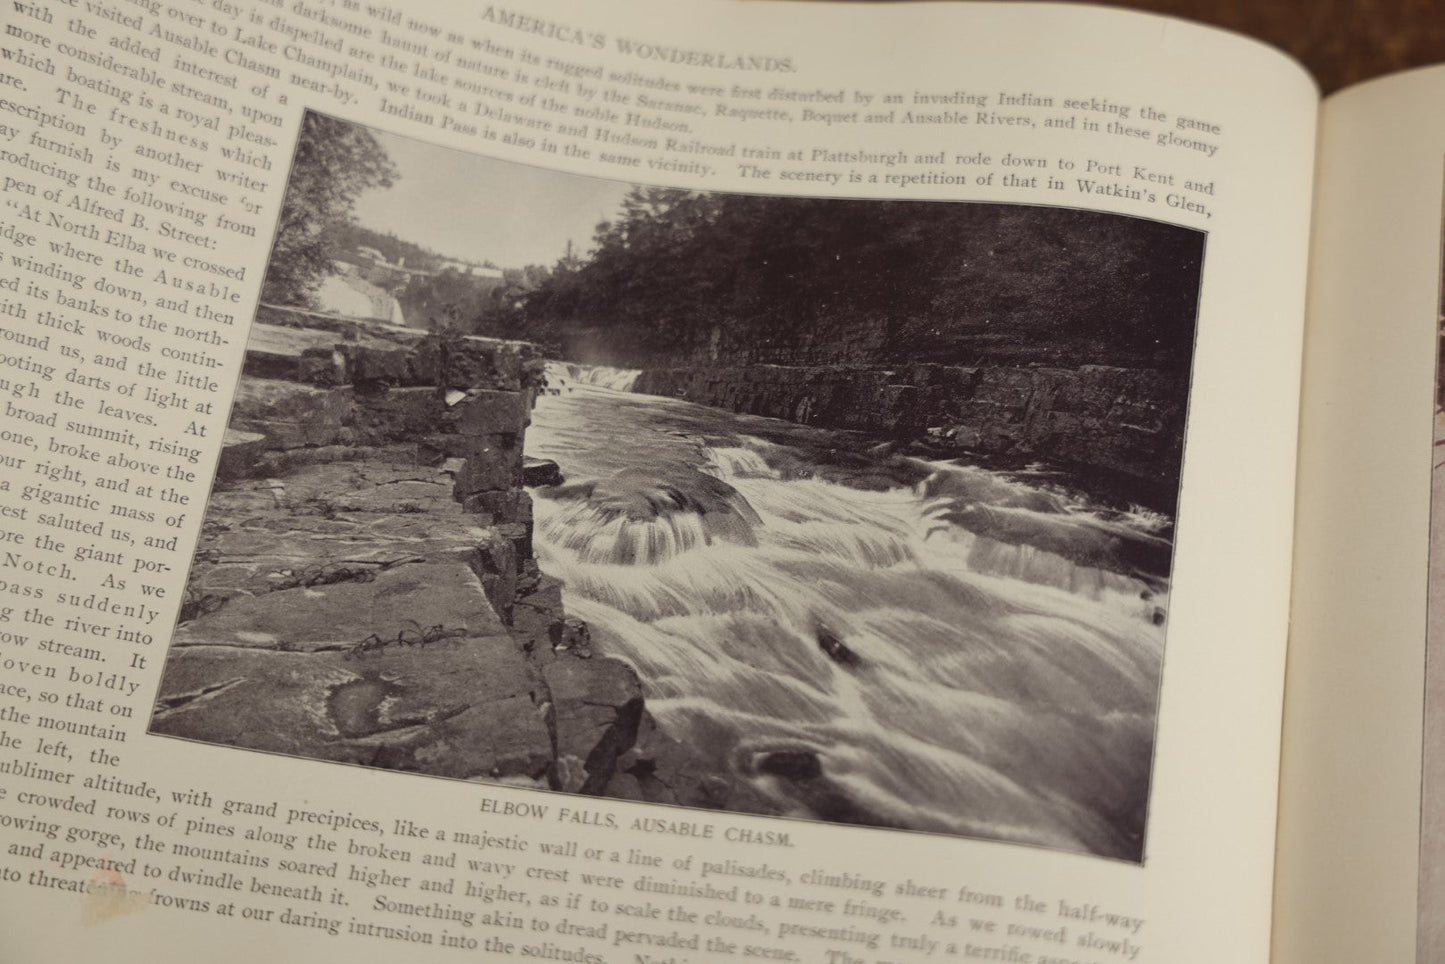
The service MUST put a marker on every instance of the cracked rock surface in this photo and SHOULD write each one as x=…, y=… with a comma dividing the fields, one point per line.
x=364, y=590
x=338, y=613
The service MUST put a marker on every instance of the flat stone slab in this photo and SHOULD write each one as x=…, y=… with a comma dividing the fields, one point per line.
x=288, y=341
x=462, y=708
x=335, y=612
x=323, y=520
x=406, y=601
x=239, y=452
x=292, y=415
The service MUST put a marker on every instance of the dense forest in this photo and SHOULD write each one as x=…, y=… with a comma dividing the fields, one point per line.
x=679, y=275
x=679, y=270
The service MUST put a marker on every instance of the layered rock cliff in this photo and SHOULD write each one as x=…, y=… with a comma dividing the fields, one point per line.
x=364, y=589
x=1123, y=422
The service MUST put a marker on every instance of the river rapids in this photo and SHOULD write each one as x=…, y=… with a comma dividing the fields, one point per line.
x=858, y=636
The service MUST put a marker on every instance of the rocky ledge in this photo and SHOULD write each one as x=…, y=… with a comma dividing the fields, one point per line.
x=1128, y=423
x=364, y=589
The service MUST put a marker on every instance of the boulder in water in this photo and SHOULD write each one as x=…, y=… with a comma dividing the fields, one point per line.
x=791, y=765
x=1081, y=539
x=645, y=517
x=836, y=650
x=540, y=472
x=803, y=774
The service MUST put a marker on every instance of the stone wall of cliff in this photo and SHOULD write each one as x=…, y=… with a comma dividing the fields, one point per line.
x=1121, y=421
x=364, y=589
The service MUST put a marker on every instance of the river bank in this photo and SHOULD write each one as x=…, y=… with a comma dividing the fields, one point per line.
x=1121, y=429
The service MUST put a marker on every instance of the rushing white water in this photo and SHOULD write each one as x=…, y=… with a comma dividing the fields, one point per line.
x=561, y=375
x=966, y=653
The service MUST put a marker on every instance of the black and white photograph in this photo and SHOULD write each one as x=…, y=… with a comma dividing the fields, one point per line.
x=842, y=509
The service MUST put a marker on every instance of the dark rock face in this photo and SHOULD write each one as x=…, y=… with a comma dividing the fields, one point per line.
x=537, y=472
x=1124, y=421
x=364, y=589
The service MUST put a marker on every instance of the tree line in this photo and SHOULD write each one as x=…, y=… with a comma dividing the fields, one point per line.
x=677, y=272
x=945, y=282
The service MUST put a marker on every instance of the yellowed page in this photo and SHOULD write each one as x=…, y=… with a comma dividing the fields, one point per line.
x=1350, y=843
x=908, y=818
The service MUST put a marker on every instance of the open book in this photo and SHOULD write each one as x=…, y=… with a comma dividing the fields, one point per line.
x=673, y=483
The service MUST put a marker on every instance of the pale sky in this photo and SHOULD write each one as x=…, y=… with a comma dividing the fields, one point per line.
x=476, y=208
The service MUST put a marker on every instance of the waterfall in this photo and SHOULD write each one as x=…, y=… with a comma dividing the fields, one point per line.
x=562, y=375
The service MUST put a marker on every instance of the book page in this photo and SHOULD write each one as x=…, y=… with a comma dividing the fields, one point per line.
x=1355, y=846
x=643, y=484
